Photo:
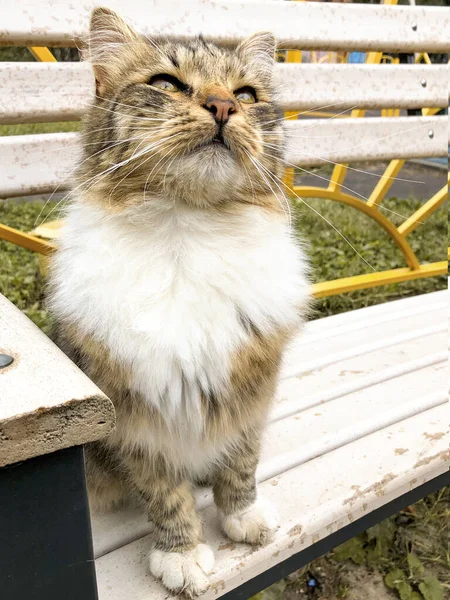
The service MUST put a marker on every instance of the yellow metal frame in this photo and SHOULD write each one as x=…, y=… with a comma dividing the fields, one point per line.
x=42, y=54
x=26, y=240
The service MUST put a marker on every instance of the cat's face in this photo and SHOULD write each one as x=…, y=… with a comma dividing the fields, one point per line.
x=189, y=119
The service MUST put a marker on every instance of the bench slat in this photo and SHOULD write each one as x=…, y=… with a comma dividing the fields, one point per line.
x=363, y=86
x=41, y=92
x=341, y=140
x=295, y=24
x=44, y=92
x=39, y=163
x=346, y=387
x=314, y=500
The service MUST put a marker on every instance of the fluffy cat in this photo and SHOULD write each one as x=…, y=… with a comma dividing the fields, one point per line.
x=178, y=282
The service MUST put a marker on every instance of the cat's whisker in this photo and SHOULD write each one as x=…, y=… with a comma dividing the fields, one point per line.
x=129, y=173
x=152, y=110
x=368, y=142
x=115, y=112
x=169, y=164
x=141, y=164
x=256, y=162
x=69, y=175
x=118, y=142
x=99, y=176
x=380, y=176
x=343, y=186
x=312, y=110
x=250, y=181
x=326, y=221
x=337, y=115
x=156, y=165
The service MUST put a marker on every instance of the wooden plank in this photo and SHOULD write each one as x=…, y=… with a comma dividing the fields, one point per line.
x=396, y=459
x=33, y=164
x=47, y=403
x=295, y=24
x=337, y=87
x=44, y=92
x=317, y=403
x=41, y=92
x=318, y=141
x=39, y=163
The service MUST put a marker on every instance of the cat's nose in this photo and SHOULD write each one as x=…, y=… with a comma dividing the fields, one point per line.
x=221, y=108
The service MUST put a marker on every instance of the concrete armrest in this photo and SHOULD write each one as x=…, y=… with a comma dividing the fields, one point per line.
x=46, y=402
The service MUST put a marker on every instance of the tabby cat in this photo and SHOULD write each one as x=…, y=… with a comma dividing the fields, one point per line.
x=178, y=281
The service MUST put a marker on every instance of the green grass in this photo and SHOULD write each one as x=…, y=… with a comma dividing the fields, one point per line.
x=31, y=128
x=20, y=277
x=333, y=258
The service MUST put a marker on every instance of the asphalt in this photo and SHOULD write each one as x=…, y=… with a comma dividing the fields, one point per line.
x=432, y=178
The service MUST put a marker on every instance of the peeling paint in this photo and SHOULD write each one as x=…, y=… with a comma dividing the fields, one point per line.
x=227, y=546
x=296, y=530
x=444, y=455
x=218, y=586
x=376, y=488
x=434, y=436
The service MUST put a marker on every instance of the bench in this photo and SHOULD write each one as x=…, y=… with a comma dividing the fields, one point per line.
x=359, y=427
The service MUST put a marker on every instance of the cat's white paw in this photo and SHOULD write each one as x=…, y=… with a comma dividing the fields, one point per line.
x=183, y=571
x=254, y=525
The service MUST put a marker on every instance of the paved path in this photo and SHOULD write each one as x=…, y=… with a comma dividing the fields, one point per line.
x=433, y=180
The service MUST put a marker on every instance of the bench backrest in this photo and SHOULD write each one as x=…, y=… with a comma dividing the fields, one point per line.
x=50, y=91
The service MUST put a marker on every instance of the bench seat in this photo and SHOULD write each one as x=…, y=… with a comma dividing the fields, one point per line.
x=359, y=420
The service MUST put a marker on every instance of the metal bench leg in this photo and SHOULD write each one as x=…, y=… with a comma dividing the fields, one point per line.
x=45, y=531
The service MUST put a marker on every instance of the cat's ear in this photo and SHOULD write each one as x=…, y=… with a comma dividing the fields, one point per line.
x=107, y=35
x=258, y=51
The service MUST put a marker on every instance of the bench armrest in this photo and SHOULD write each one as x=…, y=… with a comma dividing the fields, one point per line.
x=46, y=402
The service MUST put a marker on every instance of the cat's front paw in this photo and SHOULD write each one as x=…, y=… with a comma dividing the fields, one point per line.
x=255, y=524
x=183, y=571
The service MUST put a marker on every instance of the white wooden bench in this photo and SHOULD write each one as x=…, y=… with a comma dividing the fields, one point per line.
x=359, y=426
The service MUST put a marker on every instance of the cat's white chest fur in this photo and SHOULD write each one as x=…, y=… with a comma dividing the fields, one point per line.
x=165, y=288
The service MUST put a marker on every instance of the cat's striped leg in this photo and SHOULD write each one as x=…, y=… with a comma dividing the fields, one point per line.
x=179, y=558
x=244, y=516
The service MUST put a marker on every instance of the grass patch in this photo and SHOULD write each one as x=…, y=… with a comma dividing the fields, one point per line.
x=20, y=277
x=32, y=128
x=332, y=257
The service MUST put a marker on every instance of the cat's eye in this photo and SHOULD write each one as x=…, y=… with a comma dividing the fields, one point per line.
x=247, y=95
x=168, y=83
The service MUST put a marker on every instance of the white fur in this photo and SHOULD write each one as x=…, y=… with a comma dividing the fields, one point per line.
x=159, y=286
x=254, y=525
x=183, y=571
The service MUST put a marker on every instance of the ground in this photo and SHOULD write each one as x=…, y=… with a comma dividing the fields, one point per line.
x=409, y=551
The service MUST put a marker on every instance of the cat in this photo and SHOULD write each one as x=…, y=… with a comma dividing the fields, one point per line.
x=179, y=282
